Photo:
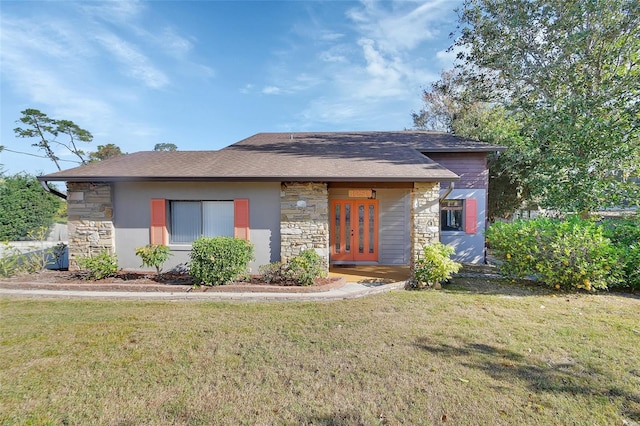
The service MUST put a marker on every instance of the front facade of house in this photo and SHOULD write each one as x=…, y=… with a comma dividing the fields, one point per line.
x=355, y=198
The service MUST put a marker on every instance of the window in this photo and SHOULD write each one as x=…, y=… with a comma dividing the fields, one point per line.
x=451, y=215
x=193, y=219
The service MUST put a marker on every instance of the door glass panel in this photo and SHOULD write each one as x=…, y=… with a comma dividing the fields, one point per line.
x=347, y=228
x=371, y=227
x=336, y=234
x=360, y=228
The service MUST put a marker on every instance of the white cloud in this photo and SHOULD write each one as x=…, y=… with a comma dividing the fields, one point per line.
x=136, y=64
x=114, y=11
x=45, y=65
x=271, y=90
x=401, y=28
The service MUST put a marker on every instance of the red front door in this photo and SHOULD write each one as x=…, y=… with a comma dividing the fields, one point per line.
x=354, y=230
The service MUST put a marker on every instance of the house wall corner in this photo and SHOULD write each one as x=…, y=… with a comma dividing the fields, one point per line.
x=304, y=219
x=90, y=220
x=425, y=217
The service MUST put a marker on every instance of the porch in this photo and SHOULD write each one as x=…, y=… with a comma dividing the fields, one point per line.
x=382, y=274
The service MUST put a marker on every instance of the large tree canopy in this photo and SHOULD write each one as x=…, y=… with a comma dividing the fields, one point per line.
x=567, y=72
x=47, y=132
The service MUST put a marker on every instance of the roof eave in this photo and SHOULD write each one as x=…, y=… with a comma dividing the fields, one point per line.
x=442, y=178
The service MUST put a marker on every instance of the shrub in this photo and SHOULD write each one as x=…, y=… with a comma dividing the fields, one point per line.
x=24, y=206
x=567, y=254
x=625, y=235
x=100, y=266
x=303, y=269
x=434, y=266
x=274, y=272
x=219, y=260
x=154, y=255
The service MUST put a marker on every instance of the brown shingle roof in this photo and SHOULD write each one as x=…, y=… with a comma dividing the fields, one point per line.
x=343, y=156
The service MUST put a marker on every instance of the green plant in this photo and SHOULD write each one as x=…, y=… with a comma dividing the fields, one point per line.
x=219, y=260
x=9, y=260
x=568, y=254
x=305, y=268
x=154, y=255
x=25, y=207
x=37, y=258
x=625, y=235
x=434, y=266
x=100, y=266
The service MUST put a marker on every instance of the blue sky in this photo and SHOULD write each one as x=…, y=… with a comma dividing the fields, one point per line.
x=206, y=74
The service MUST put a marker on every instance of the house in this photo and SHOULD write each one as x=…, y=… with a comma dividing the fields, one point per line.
x=354, y=197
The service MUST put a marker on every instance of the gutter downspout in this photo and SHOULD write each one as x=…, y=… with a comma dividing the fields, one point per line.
x=447, y=192
x=53, y=191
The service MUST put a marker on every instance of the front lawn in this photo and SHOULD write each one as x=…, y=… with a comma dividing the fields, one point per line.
x=473, y=353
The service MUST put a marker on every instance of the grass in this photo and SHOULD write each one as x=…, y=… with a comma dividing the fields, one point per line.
x=473, y=353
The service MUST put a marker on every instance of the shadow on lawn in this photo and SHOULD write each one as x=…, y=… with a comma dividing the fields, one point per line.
x=567, y=377
x=495, y=286
x=516, y=288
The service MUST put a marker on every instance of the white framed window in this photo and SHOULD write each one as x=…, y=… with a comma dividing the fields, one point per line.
x=190, y=220
x=452, y=215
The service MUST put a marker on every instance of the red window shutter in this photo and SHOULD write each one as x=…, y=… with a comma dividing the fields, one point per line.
x=241, y=218
x=158, y=233
x=471, y=216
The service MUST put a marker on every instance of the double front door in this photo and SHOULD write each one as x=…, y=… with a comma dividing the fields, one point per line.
x=354, y=230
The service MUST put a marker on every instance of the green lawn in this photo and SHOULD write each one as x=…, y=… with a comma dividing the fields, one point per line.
x=473, y=353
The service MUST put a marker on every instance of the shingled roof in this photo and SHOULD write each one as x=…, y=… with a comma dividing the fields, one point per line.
x=326, y=156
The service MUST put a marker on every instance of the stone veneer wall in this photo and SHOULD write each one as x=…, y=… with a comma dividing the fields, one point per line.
x=90, y=214
x=425, y=217
x=304, y=219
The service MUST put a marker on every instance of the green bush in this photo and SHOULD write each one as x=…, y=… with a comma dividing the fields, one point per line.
x=219, y=260
x=434, y=266
x=303, y=269
x=100, y=266
x=24, y=207
x=625, y=235
x=567, y=254
x=154, y=255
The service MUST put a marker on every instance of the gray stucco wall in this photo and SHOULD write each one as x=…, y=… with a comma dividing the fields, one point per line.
x=131, y=216
x=469, y=247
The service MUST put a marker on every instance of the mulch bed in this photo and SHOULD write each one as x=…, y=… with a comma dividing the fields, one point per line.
x=148, y=282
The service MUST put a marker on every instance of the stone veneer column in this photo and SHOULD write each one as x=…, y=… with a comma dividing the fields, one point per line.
x=304, y=219
x=90, y=214
x=425, y=217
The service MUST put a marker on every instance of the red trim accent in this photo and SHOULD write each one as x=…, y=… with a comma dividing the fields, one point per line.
x=241, y=219
x=158, y=230
x=471, y=216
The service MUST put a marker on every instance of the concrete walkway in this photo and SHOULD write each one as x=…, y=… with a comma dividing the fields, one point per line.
x=347, y=291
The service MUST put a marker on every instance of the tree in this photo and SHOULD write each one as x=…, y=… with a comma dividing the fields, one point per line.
x=47, y=130
x=569, y=71
x=165, y=147
x=105, y=151
x=24, y=207
x=450, y=105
